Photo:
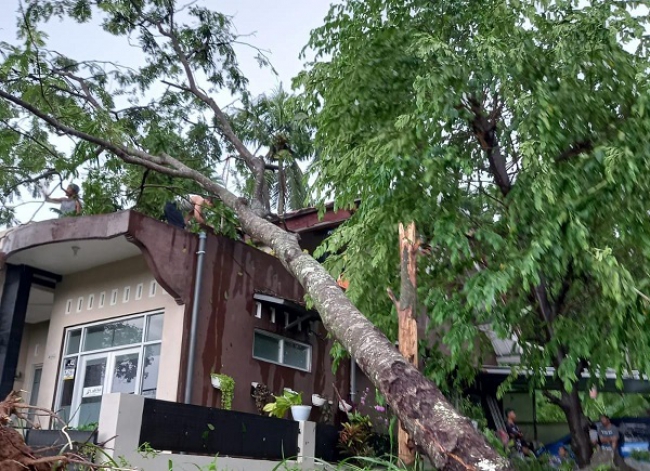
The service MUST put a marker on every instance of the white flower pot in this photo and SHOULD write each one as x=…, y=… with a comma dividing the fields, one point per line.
x=344, y=406
x=300, y=413
x=216, y=382
x=317, y=400
x=254, y=384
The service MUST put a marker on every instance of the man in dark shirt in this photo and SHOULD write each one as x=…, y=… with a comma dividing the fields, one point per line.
x=516, y=436
x=608, y=434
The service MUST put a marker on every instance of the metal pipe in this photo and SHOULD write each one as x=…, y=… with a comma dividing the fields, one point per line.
x=198, y=281
x=353, y=380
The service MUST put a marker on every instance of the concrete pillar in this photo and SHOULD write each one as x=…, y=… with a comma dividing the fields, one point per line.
x=306, y=443
x=120, y=421
x=13, y=309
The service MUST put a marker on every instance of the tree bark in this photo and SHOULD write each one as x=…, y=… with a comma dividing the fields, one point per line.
x=445, y=436
x=578, y=426
x=282, y=190
x=407, y=324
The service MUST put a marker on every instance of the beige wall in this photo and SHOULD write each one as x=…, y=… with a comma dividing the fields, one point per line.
x=32, y=350
x=71, y=308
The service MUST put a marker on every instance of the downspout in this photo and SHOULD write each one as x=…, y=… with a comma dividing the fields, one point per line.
x=195, y=314
x=353, y=380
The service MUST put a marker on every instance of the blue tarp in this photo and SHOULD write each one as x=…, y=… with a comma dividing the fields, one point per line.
x=635, y=435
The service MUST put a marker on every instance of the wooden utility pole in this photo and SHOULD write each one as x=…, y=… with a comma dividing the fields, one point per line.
x=406, y=311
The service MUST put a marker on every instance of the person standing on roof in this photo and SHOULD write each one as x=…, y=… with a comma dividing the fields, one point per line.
x=180, y=213
x=192, y=207
x=70, y=204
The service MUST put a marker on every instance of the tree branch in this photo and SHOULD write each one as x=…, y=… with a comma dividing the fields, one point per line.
x=575, y=150
x=255, y=164
x=192, y=88
x=485, y=129
x=47, y=173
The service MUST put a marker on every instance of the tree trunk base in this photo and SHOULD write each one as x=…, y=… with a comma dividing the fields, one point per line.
x=15, y=455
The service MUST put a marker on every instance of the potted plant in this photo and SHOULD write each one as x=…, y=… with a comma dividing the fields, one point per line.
x=317, y=400
x=289, y=400
x=344, y=406
x=227, y=387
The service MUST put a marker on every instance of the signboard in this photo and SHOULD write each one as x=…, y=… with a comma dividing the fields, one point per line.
x=69, y=368
x=93, y=391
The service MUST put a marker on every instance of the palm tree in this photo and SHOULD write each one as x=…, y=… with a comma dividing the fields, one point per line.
x=274, y=124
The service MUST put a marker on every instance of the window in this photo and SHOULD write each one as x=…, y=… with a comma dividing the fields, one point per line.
x=152, y=288
x=33, y=396
x=113, y=297
x=113, y=334
x=120, y=355
x=282, y=351
x=102, y=299
x=80, y=304
x=91, y=300
x=138, y=291
x=68, y=306
x=127, y=294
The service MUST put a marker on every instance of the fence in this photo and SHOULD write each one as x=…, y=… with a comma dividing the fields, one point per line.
x=202, y=430
x=240, y=441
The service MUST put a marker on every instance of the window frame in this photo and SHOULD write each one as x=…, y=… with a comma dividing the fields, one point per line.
x=142, y=345
x=282, y=341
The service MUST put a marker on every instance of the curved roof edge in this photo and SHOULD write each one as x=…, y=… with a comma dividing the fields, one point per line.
x=165, y=248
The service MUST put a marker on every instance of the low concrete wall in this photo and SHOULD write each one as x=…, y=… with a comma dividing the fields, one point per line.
x=194, y=463
x=120, y=421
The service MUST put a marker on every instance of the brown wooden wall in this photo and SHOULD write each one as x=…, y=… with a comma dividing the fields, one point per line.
x=233, y=273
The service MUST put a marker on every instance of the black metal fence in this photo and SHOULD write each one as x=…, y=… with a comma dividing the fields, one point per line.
x=205, y=430
x=54, y=442
x=327, y=439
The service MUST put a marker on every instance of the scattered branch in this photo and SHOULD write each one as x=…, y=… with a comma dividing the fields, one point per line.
x=15, y=454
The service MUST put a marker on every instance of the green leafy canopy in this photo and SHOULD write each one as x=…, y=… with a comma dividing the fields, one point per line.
x=514, y=134
x=147, y=107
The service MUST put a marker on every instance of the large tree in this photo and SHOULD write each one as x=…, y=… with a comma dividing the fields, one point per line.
x=515, y=135
x=140, y=117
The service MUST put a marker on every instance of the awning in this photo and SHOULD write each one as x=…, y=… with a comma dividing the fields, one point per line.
x=302, y=313
x=633, y=382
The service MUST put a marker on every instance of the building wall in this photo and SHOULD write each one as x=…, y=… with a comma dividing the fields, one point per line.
x=32, y=350
x=233, y=273
x=71, y=308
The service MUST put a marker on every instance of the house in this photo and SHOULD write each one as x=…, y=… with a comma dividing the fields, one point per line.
x=109, y=303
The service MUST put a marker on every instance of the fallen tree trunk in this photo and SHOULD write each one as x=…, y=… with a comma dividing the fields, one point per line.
x=445, y=436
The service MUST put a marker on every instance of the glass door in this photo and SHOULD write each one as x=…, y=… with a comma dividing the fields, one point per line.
x=90, y=388
x=103, y=373
x=125, y=368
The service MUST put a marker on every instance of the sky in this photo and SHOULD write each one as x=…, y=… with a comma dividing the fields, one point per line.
x=279, y=27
